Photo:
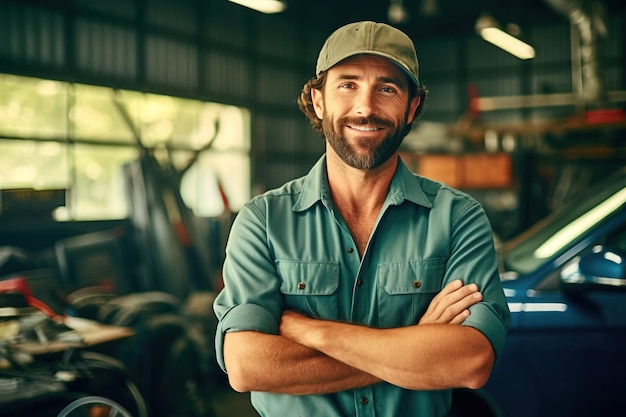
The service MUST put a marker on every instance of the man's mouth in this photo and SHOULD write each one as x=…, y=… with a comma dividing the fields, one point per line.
x=366, y=124
x=365, y=128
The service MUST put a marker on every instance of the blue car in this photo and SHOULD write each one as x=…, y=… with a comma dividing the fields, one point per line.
x=565, y=282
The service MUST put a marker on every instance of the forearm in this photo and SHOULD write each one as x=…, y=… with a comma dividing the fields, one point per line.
x=422, y=357
x=262, y=362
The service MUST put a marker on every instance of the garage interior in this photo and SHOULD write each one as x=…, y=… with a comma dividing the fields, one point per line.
x=557, y=118
x=523, y=136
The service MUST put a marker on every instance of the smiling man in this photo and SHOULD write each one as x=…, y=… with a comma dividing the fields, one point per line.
x=360, y=289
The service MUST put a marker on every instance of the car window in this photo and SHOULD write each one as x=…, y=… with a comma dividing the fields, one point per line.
x=561, y=230
x=617, y=239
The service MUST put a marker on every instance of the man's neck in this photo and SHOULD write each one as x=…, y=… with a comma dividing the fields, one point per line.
x=359, y=195
x=359, y=191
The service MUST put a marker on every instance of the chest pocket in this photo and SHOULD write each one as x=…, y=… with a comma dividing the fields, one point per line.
x=406, y=289
x=310, y=287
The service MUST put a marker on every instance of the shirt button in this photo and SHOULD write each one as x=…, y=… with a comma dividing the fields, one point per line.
x=301, y=285
x=359, y=282
x=417, y=284
x=364, y=400
x=350, y=250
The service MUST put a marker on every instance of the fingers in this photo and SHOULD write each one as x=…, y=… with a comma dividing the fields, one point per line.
x=460, y=318
x=456, y=290
x=452, y=303
x=452, y=294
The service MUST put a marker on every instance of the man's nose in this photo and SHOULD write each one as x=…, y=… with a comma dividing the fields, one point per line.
x=365, y=103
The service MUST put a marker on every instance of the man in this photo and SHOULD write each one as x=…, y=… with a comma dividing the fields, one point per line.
x=360, y=289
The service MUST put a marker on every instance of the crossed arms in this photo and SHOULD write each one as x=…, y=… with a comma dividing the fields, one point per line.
x=312, y=356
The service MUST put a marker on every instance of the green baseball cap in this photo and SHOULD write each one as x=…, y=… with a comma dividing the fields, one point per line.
x=369, y=38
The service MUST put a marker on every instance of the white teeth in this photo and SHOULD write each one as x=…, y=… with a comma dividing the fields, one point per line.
x=364, y=129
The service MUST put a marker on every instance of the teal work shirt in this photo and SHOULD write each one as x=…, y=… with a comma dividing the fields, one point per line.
x=290, y=249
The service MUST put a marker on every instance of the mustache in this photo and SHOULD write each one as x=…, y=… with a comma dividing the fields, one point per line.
x=370, y=120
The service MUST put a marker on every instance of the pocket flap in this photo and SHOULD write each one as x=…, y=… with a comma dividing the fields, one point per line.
x=308, y=278
x=412, y=277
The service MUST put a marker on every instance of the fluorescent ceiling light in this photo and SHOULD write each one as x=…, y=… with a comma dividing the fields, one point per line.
x=509, y=43
x=263, y=6
x=489, y=30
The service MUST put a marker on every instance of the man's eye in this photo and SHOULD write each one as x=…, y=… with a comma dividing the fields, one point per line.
x=347, y=85
x=388, y=90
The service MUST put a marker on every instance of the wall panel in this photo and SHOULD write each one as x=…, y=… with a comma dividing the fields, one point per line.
x=278, y=172
x=32, y=36
x=438, y=57
x=309, y=141
x=487, y=58
x=180, y=15
x=282, y=135
x=227, y=75
x=277, y=38
x=120, y=8
x=552, y=43
x=105, y=50
x=277, y=85
x=233, y=31
x=171, y=63
x=443, y=102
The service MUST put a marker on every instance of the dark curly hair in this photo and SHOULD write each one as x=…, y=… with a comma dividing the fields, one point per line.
x=305, y=102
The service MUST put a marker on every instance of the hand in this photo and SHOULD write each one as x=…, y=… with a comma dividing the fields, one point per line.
x=452, y=303
x=294, y=325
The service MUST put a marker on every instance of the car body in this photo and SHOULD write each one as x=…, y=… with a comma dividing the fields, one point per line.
x=565, y=283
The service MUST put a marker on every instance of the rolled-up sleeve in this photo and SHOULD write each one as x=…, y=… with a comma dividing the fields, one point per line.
x=251, y=298
x=474, y=259
x=243, y=317
x=491, y=323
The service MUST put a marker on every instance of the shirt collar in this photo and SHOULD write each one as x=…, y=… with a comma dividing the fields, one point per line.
x=404, y=186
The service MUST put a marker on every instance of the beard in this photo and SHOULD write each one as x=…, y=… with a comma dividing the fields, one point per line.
x=369, y=154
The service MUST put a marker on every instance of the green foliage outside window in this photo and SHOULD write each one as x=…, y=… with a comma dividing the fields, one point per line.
x=77, y=137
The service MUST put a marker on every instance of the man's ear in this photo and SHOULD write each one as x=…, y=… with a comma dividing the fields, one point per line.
x=318, y=102
x=413, y=105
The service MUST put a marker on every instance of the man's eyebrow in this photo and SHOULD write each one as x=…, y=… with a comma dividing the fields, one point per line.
x=389, y=80
x=392, y=80
x=347, y=77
